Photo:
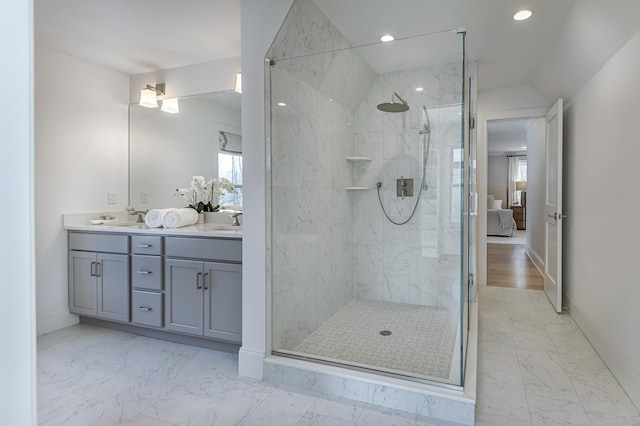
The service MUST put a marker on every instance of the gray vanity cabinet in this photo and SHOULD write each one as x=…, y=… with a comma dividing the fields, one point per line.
x=223, y=301
x=99, y=281
x=184, y=309
x=204, y=297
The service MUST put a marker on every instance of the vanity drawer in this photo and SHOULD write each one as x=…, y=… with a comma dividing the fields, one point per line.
x=204, y=248
x=144, y=244
x=146, y=308
x=98, y=242
x=146, y=272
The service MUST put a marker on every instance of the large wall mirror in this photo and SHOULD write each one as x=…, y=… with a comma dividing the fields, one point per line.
x=167, y=150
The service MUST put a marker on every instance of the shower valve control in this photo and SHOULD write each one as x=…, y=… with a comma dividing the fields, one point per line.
x=404, y=187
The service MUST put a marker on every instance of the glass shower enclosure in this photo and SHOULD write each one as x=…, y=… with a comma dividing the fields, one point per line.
x=369, y=230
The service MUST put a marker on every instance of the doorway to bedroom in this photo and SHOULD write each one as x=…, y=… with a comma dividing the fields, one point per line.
x=509, y=172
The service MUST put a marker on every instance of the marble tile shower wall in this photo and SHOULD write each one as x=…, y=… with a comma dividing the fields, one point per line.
x=418, y=262
x=311, y=220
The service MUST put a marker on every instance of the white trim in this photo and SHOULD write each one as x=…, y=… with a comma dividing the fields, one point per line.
x=535, y=259
x=627, y=376
x=250, y=364
x=482, y=158
x=55, y=321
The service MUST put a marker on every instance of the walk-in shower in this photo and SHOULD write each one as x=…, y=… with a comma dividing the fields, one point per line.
x=348, y=286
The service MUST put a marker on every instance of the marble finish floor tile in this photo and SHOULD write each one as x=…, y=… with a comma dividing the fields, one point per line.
x=94, y=376
x=558, y=378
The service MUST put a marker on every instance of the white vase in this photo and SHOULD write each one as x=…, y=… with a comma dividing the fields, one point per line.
x=200, y=218
x=217, y=217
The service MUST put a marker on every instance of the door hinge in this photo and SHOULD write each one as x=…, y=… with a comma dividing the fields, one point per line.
x=472, y=122
x=471, y=279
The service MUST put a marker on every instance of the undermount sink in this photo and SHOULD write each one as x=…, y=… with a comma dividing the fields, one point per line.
x=223, y=227
x=123, y=224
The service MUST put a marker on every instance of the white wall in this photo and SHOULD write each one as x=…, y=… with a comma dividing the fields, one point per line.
x=497, y=169
x=81, y=153
x=260, y=23
x=535, y=191
x=602, y=239
x=17, y=281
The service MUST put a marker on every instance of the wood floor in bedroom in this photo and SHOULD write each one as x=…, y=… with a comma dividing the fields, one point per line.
x=509, y=266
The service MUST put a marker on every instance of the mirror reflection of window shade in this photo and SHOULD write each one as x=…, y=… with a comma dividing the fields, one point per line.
x=230, y=143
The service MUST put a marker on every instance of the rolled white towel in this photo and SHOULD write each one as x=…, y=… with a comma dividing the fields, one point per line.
x=179, y=217
x=153, y=218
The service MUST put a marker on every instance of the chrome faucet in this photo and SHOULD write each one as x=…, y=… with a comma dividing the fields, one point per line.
x=235, y=218
x=140, y=214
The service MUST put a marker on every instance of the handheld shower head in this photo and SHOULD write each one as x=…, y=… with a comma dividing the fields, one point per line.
x=401, y=106
x=426, y=124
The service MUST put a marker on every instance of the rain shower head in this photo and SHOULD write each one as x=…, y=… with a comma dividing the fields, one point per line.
x=401, y=106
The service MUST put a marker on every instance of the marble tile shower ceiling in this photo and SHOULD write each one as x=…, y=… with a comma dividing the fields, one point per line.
x=421, y=342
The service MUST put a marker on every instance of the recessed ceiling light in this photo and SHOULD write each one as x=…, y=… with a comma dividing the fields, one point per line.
x=387, y=37
x=522, y=15
x=419, y=89
x=281, y=104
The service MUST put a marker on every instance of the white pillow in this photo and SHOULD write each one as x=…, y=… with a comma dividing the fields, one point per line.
x=490, y=200
x=497, y=204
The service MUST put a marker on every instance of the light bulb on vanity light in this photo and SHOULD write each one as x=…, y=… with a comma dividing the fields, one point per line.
x=149, y=95
x=238, y=83
x=170, y=106
x=148, y=98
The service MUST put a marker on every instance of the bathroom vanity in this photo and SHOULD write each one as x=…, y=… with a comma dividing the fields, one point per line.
x=181, y=284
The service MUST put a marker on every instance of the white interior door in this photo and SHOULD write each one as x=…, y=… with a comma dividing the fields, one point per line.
x=553, y=206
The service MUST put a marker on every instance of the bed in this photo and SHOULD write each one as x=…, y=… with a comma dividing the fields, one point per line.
x=499, y=219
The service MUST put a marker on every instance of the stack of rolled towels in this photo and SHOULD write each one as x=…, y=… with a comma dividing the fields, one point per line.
x=171, y=218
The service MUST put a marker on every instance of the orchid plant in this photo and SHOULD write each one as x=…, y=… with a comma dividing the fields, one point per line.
x=200, y=193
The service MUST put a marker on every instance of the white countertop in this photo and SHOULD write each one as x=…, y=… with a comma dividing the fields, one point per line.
x=123, y=224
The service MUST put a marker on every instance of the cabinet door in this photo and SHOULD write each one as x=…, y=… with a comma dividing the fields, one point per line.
x=114, y=287
x=82, y=283
x=223, y=301
x=184, y=302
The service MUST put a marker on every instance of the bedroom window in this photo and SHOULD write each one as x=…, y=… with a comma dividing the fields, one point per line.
x=522, y=170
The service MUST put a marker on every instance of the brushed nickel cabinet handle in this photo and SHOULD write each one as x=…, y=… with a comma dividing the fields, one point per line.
x=204, y=281
x=141, y=272
x=198, y=276
x=145, y=308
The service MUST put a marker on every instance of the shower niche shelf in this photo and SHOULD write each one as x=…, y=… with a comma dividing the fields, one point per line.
x=358, y=169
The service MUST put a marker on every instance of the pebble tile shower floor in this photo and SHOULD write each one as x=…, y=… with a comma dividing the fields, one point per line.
x=421, y=343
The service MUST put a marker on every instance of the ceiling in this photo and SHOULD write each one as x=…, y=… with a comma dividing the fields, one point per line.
x=555, y=51
x=507, y=136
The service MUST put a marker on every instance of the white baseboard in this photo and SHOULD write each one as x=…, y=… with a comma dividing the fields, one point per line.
x=251, y=364
x=55, y=321
x=535, y=259
x=626, y=375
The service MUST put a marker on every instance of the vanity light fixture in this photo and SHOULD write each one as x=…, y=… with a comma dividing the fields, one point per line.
x=238, y=83
x=522, y=15
x=170, y=106
x=419, y=89
x=281, y=104
x=149, y=95
x=386, y=38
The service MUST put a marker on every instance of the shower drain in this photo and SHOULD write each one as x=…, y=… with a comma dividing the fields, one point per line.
x=385, y=333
